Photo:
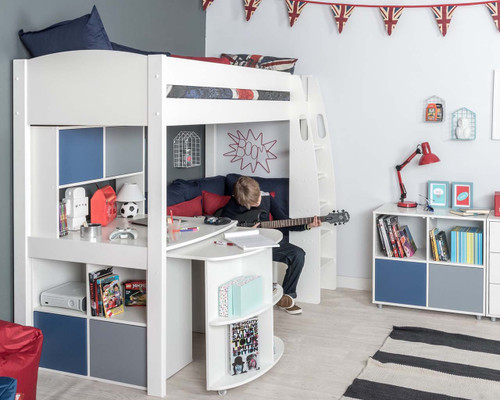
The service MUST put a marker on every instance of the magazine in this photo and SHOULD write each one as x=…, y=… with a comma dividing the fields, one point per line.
x=112, y=300
x=244, y=342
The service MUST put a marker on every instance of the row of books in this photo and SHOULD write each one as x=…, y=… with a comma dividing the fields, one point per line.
x=396, y=240
x=466, y=245
x=439, y=245
x=105, y=294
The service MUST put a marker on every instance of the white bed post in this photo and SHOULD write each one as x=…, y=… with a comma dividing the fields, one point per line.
x=22, y=205
x=157, y=235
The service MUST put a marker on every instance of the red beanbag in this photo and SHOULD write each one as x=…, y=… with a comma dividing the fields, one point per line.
x=20, y=351
x=190, y=208
x=212, y=202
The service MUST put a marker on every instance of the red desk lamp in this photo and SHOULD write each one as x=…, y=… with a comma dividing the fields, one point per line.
x=427, y=158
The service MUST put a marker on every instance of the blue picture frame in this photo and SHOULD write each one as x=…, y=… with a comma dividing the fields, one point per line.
x=438, y=193
x=462, y=194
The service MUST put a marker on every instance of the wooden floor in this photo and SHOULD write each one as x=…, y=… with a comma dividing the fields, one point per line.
x=325, y=349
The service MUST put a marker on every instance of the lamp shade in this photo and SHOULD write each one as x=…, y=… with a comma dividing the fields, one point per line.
x=427, y=156
x=129, y=193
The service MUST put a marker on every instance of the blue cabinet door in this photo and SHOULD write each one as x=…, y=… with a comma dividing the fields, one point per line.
x=64, y=342
x=80, y=155
x=400, y=282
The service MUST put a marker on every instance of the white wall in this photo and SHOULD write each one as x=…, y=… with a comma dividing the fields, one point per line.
x=374, y=87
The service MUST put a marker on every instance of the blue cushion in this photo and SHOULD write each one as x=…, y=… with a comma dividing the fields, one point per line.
x=121, y=47
x=8, y=388
x=181, y=190
x=280, y=186
x=84, y=33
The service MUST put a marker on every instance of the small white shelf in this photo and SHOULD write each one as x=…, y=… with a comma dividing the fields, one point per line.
x=326, y=260
x=419, y=256
x=229, y=381
x=106, y=178
x=456, y=264
x=232, y=320
x=130, y=316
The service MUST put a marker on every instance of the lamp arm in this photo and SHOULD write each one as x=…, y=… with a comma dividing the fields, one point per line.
x=401, y=166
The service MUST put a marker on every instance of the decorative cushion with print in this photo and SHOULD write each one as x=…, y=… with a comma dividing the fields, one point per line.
x=264, y=62
x=84, y=33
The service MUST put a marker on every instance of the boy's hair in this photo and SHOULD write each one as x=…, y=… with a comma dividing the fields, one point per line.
x=246, y=191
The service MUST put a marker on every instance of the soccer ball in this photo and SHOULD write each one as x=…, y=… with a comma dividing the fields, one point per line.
x=129, y=210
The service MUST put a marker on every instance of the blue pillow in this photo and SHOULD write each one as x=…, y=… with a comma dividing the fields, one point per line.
x=121, y=47
x=84, y=33
x=182, y=190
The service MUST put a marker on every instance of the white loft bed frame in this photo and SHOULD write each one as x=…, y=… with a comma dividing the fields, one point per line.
x=94, y=88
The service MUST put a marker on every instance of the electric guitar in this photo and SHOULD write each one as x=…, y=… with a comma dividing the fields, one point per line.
x=252, y=217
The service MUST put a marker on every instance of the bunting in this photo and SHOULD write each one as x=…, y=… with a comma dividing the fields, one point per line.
x=391, y=17
x=206, y=3
x=493, y=8
x=294, y=9
x=391, y=14
x=443, y=16
x=250, y=7
x=341, y=13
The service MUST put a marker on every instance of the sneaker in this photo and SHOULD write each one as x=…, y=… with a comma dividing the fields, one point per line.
x=294, y=310
x=285, y=302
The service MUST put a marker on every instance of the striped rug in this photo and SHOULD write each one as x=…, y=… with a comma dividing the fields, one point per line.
x=425, y=364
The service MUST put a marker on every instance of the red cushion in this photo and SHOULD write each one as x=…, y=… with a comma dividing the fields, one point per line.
x=212, y=202
x=20, y=351
x=218, y=60
x=190, y=208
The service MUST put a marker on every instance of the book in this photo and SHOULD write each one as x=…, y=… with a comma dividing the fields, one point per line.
x=443, y=245
x=249, y=239
x=390, y=234
x=406, y=228
x=394, y=224
x=381, y=236
x=468, y=212
x=135, y=293
x=112, y=300
x=94, y=298
x=405, y=243
x=382, y=231
x=244, y=347
x=434, y=250
x=100, y=282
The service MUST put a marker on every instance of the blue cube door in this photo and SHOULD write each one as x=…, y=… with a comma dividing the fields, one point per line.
x=64, y=342
x=400, y=282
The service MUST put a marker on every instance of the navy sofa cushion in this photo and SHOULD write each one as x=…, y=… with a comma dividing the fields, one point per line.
x=280, y=186
x=84, y=33
x=182, y=190
x=121, y=47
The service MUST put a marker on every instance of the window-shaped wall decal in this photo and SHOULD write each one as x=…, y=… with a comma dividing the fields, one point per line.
x=187, y=150
x=463, y=124
x=434, y=109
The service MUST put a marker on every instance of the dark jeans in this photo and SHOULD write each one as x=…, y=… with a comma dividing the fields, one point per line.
x=294, y=257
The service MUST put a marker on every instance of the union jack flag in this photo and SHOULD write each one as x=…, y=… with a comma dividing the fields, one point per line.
x=250, y=7
x=206, y=3
x=295, y=7
x=341, y=13
x=391, y=17
x=493, y=8
x=443, y=17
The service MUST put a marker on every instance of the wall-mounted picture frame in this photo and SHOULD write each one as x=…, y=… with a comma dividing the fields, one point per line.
x=438, y=193
x=461, y=194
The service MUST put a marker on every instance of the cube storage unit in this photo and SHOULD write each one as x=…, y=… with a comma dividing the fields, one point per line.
x=420, y=281
x=493, y=276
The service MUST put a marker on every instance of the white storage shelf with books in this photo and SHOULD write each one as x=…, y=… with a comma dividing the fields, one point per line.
x=420, y=281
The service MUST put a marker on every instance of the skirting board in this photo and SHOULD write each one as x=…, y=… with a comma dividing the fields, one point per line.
x=349, y=282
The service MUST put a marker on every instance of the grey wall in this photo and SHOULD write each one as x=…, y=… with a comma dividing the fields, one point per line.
x=177, y=26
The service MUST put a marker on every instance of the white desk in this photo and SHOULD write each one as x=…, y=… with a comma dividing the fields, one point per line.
x=214, y=265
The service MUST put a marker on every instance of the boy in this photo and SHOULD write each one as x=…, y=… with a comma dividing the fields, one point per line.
x=247, y=196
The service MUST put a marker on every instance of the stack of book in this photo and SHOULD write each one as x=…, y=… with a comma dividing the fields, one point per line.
x=395, y=240
x=466, y=245
x=439, y=245
x=470, y=212
x=105, y=294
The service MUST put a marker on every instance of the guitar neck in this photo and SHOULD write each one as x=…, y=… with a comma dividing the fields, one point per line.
x=286, y=223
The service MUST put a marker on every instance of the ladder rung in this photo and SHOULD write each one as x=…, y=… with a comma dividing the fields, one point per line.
x=322, y=175
x=318, y=147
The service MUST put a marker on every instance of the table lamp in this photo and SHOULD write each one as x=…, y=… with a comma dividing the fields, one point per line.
x=129, y=195
x=427, y=158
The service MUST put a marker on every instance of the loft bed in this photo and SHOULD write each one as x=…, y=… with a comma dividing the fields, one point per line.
x=104, y=88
